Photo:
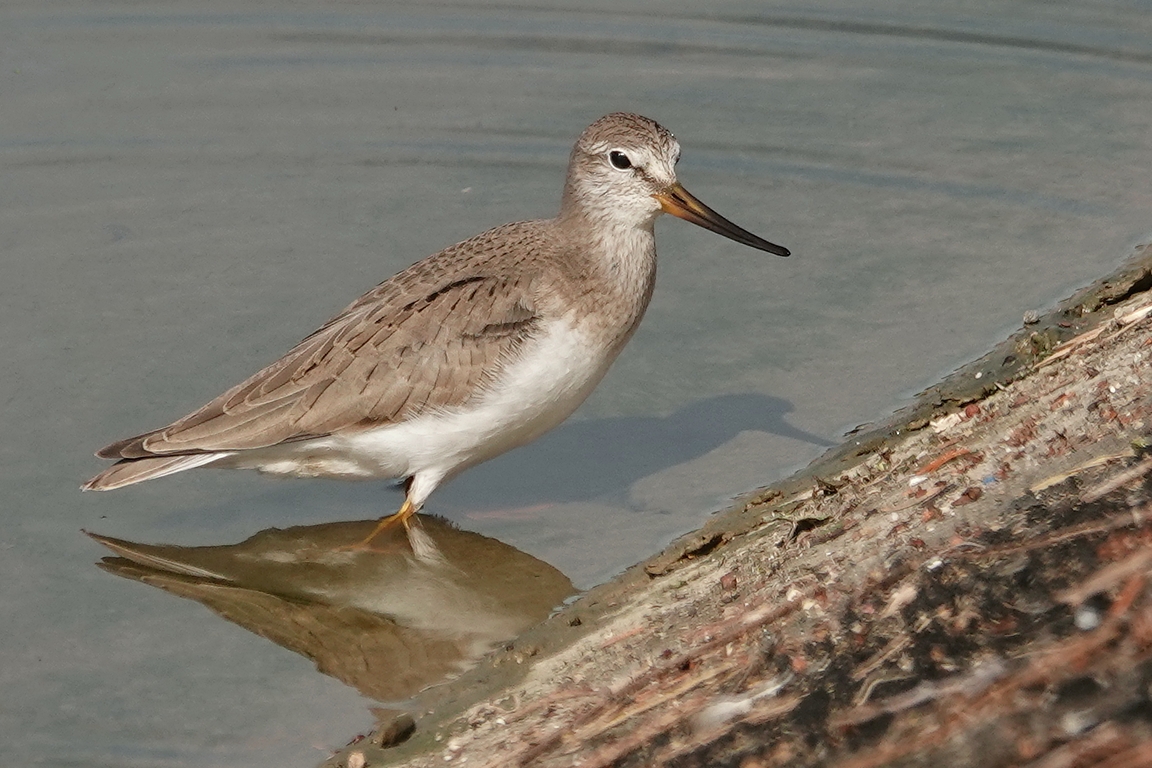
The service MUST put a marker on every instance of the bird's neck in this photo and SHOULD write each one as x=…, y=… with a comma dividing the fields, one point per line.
x=616, y=253
x=615, y=270
x=615, y=243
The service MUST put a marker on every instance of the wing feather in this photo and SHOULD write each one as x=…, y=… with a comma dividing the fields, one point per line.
x=429, y=338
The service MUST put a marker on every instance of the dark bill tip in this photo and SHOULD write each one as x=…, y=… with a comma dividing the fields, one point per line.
x=682, y=204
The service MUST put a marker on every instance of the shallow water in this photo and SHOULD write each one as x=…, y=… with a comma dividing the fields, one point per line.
x=186, y=193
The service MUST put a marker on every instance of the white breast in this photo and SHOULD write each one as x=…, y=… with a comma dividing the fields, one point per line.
x=554, y=374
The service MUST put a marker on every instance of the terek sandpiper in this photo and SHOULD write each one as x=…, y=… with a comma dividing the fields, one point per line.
x=462, y=356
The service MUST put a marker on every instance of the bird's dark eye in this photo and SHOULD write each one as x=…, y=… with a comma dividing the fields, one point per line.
x=619, y=160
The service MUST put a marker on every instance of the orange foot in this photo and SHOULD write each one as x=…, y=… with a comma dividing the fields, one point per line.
x=401, y=517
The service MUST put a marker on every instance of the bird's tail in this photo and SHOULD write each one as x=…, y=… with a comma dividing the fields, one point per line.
x=132, y=471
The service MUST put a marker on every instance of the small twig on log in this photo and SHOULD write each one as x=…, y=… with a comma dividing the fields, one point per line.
x=1107, y=577
x=1119, y=480
x=1060, y=477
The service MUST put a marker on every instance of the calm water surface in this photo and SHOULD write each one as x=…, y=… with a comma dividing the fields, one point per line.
x=185, y=193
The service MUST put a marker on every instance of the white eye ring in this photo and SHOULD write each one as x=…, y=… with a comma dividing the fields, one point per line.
x=619, y=160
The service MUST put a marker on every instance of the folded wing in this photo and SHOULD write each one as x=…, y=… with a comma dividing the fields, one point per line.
x=410, y=346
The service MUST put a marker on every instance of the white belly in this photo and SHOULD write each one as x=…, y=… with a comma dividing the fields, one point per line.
x=554, y=375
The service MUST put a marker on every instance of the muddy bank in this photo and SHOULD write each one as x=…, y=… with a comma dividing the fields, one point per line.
x=963, y=585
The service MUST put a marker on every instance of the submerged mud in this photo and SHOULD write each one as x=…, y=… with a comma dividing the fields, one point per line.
x=963, y=585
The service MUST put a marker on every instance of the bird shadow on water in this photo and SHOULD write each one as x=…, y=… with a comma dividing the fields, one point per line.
x=598, y=458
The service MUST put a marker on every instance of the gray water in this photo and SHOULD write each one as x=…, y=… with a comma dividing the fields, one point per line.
x=184, y=193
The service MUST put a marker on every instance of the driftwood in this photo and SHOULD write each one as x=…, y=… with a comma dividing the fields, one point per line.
x=965, y=585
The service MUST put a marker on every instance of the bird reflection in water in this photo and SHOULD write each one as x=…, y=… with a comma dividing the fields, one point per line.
x=411, y=612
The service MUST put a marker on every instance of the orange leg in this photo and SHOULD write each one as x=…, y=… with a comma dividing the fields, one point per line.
x=405, y=513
